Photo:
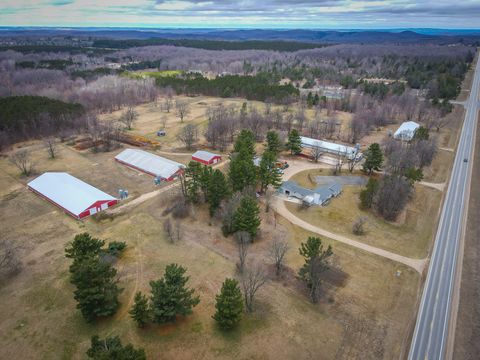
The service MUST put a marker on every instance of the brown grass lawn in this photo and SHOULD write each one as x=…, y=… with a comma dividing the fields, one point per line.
x=365, y=312
x=411, y=236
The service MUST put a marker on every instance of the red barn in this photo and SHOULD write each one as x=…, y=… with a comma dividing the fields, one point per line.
x=74, y=196
x=206, y=157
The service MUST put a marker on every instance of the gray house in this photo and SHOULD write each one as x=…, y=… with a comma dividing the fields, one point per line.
x=319, y=196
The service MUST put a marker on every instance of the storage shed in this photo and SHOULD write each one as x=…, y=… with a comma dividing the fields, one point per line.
x=151, y=164
x=206, y=157
x=331, y=148
x=406, y=131
x=74, y=196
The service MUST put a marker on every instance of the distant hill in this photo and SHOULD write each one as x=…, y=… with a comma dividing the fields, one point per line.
x=425, y=36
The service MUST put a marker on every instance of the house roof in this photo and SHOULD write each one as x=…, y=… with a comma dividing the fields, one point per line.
x=67, y=191
x=322, y=193
x=328, y=146
x=204, y=155
x=149, y=162
x=406, y=130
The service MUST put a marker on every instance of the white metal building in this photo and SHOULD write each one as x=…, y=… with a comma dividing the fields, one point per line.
x=406, y=131
x=74, y=196
x=151, y=164
x=331, y=148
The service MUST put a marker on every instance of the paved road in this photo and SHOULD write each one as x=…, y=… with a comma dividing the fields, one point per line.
x=432, y=326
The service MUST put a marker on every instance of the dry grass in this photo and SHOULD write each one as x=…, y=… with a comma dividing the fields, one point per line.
x=411, y=236
x=365, y=311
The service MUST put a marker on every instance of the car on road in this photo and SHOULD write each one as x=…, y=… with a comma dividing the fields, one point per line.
x=161, y=133
x=465, y=160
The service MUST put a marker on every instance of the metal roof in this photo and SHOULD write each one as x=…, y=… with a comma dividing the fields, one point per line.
x=328, y=146
x=406, y=131
x=204, y=155
x=150, y=163
x=67, y=191
x=318, y=195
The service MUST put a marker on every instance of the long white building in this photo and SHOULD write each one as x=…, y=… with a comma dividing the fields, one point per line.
x=331, y=148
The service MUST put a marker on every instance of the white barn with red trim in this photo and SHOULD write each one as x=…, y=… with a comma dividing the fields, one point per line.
x=75, y=197
x=206, y=157
x=151, y=164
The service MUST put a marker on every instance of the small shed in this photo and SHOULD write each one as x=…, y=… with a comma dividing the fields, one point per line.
x=74, y=196
x=406, y=131
x=164, y=169
x=206, y=157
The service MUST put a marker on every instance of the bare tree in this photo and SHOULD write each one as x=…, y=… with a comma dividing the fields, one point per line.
x=169, y=230
x=316, y=152
x=51, y=146
x=167, y=104
x=253, y=279
x=182, y=109
x=128, y=117
x=164, y=122
x=358, y=227
x=243, y=239
x=22, y=159
x=277, y=253
x=178, y=231
x=188, y=135
x=9, y=262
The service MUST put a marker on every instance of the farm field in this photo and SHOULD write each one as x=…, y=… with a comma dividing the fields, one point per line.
x=365, y=305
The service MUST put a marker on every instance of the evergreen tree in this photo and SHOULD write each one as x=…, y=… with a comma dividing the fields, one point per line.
x=82, y=247
x=242, y=173
x=309, y=99
x=111, y=348
x=315, y=264
x=373, y=158
x=413, y=175
x=217, y=191
x=316, y=100
x=140, y=311
x=268, y=173
x=193, y=174
x=367, y=194
x=205, y=178
x=421, y=133
x=246, y=217
x=229, y=305
x=273, y=143
x=171, y=297
x=245, y=144
x=294, y=143
x=96, y=287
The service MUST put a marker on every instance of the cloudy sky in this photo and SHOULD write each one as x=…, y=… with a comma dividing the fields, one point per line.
x=243, y=13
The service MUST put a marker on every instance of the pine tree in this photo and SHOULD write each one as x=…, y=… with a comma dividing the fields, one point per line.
x=373, y=158
x=217, y=191
x=245, y=144
x=294, y=143
x=205, y=178
x=111, y=348
x=193, y=173
x=171, y=297
x=315, y=264
x=96, y=288
x=83, y=246
x=268, y=173
x=421, y=133
x=242, y=173
x=273, y=143
x=367, y=194
x=309, y=99
x=140, y=311
x=246, y=217
x=229, y=305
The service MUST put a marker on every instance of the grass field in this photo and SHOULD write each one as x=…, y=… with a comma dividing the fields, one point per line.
x=411, y=236
x=365, y=310
x=153, y=74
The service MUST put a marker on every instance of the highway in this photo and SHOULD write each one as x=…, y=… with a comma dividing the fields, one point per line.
x=431, y=332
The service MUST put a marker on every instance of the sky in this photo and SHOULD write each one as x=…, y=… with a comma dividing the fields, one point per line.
x=324, y=14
